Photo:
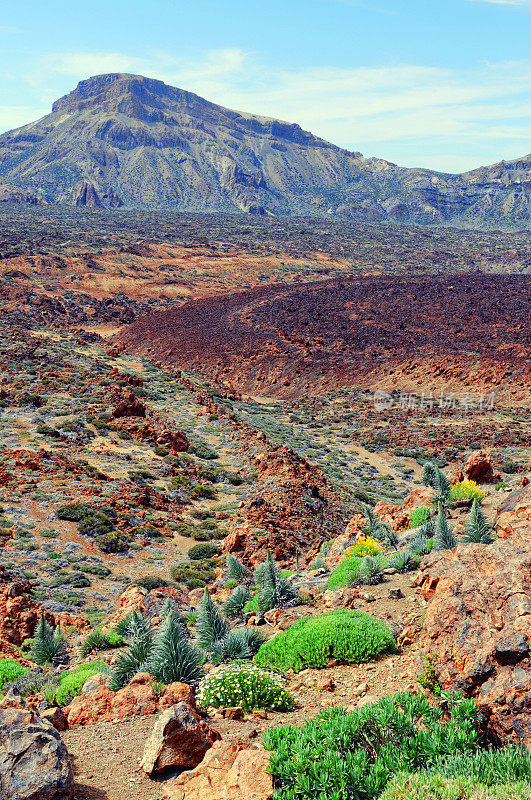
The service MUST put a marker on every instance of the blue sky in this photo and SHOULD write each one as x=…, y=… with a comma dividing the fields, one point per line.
x=441, y=84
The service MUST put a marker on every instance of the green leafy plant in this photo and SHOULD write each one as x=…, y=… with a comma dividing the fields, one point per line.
x=403, y=561
x=275, y=591
x=443, y=538
x=348, y=756
x=422, y=786
x=235, y=569
x=477, y=529
x=48, y=646
x=72, y=682
x=96, y=640
x=215, y=637
x=344, y=574
x=349, y=636
x=421, y=544
x=419, y=516
x=172, y=656
x=10, y=670
x=369, y=571
x=244, y=685
x=428, y=678
x=432, y=476
x=140, y=637
x=234, y=606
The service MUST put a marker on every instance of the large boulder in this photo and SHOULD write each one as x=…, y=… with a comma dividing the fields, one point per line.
x=478, y=626
x=179, y=738
x=34, y=762
x=227, y=772
x=478, y=467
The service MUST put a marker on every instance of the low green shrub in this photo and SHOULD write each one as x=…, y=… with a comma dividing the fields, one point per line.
x=436, y=787
x=488, y=767
x=72, y=682
x=96, y=640
x=201, y=551
x=74, y=512
x=352, y=756
x=347, y=573
x=195, y=574
x=151, y=582
x=419, y=516
x=244, y=685
x=349, y=636
x=112, y=542
x=96, y=524
x=509, y=466
x=10, y=670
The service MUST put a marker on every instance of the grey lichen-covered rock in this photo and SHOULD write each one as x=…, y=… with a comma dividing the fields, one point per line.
x=34, y=763
x=179, y=738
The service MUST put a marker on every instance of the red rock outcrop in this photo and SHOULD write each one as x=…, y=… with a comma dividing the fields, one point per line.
x=19, y=615
x=228, y=772
x=418, y=498
x=478, y=467
x=478, y=626
x=293, y=511
x=392, y=514
x=138, y=698
x=514, y=514
x=129, y=406
x=132, y=599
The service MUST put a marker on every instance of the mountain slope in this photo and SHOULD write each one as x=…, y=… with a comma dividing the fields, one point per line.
x=127, y=140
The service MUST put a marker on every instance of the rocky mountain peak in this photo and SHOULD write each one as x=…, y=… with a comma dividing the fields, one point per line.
x=122, y=139
x=120, y=92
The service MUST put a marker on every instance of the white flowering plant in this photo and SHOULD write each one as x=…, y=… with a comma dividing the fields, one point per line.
x=244, y=685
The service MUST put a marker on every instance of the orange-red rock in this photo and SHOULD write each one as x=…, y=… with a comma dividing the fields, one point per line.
x=478, y=467
x=418, y=498
x=180, y=738
x=477, y=625
x=228, y=772
x=513, y=517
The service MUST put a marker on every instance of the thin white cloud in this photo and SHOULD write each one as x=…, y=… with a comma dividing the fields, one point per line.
x=504, y=2
x=412, y=114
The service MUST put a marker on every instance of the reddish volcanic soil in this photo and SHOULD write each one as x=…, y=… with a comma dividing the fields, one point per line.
x=467, y=332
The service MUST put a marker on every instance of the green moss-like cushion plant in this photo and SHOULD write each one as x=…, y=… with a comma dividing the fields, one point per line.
x=346, y=572
x=349, y=636
x=10, y=670
x=244, y=685
x=72, y=682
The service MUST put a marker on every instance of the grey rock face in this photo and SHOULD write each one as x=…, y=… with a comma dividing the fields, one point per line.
x=34, y=761
x=126, y=140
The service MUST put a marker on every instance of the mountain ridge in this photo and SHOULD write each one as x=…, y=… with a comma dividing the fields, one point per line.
x=123, y=140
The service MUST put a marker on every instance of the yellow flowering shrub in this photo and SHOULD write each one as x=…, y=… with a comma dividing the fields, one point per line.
x=465, y=490
x=364, y=547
